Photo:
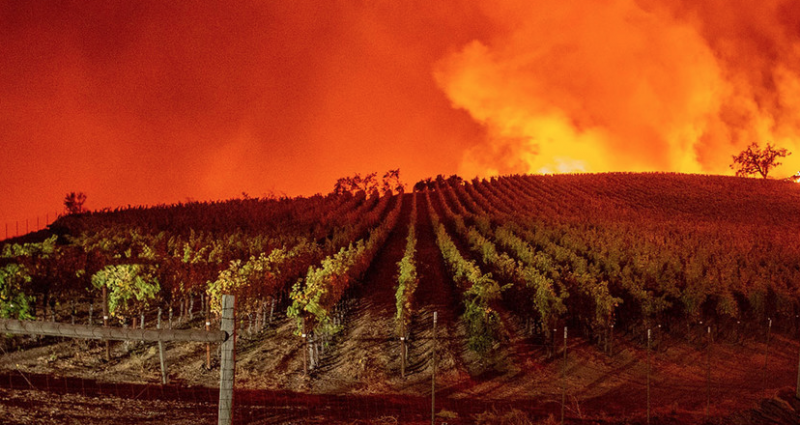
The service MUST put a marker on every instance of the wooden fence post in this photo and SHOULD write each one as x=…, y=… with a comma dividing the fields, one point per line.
x=227, y=362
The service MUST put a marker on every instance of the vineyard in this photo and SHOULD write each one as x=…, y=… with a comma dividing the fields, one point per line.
x=554, y=295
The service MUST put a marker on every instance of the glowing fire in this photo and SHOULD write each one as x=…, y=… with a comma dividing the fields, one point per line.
x=629, y=85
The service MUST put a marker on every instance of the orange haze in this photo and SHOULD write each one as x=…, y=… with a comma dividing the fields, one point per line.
x=144, y=102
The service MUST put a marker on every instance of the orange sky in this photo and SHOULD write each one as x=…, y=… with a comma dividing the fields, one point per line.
x=155, y=102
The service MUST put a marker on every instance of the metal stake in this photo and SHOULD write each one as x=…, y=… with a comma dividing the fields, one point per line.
x=161, y=352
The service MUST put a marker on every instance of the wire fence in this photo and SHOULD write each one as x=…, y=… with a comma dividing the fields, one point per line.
x=16, y=228
x=672, y=376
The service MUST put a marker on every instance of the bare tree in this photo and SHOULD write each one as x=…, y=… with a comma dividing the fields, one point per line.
x=756, y=160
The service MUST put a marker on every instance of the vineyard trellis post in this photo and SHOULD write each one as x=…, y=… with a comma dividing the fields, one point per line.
x=766, y=352
x=433, y=374
x=161, y=352
x=207, y=312
x=227, y=361
x=564, y=377
x=797, y=391
x=611, y=341
x=272, y=310
x=304, y=348
x=657, y=338
x=105, y=321
x=738, y=331
x=708, y=376
x=402, y=346
x=648, y=376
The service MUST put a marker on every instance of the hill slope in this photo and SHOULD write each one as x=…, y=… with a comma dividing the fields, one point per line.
x=707, y=263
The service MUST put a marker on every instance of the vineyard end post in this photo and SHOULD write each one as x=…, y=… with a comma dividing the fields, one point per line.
x=227, y=362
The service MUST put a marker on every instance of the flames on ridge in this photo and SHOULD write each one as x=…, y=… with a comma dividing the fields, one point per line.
x=629, y=85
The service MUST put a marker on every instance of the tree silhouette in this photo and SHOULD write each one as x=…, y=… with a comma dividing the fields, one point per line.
x=755, y=160
x=423, y=184
x=369, y=183
x=73, y=202
x=391, y=182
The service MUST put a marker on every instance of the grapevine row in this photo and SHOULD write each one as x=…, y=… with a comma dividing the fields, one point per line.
x=479, y=290
x=314, y=298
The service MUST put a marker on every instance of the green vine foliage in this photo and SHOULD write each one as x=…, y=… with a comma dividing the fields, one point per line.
x=43, y=249
x=14, y=301
x=130, y=287
x=229, y=281
x=480, y=291
x=483, y=322
x=16, y=298
x=252, y=280
x=314, y=297
x=407, y=281
x=323, y=286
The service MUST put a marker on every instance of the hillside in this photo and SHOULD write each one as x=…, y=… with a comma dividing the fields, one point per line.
x=705, y=265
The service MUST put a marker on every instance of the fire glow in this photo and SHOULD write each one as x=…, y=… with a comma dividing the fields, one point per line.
x=629, y=85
